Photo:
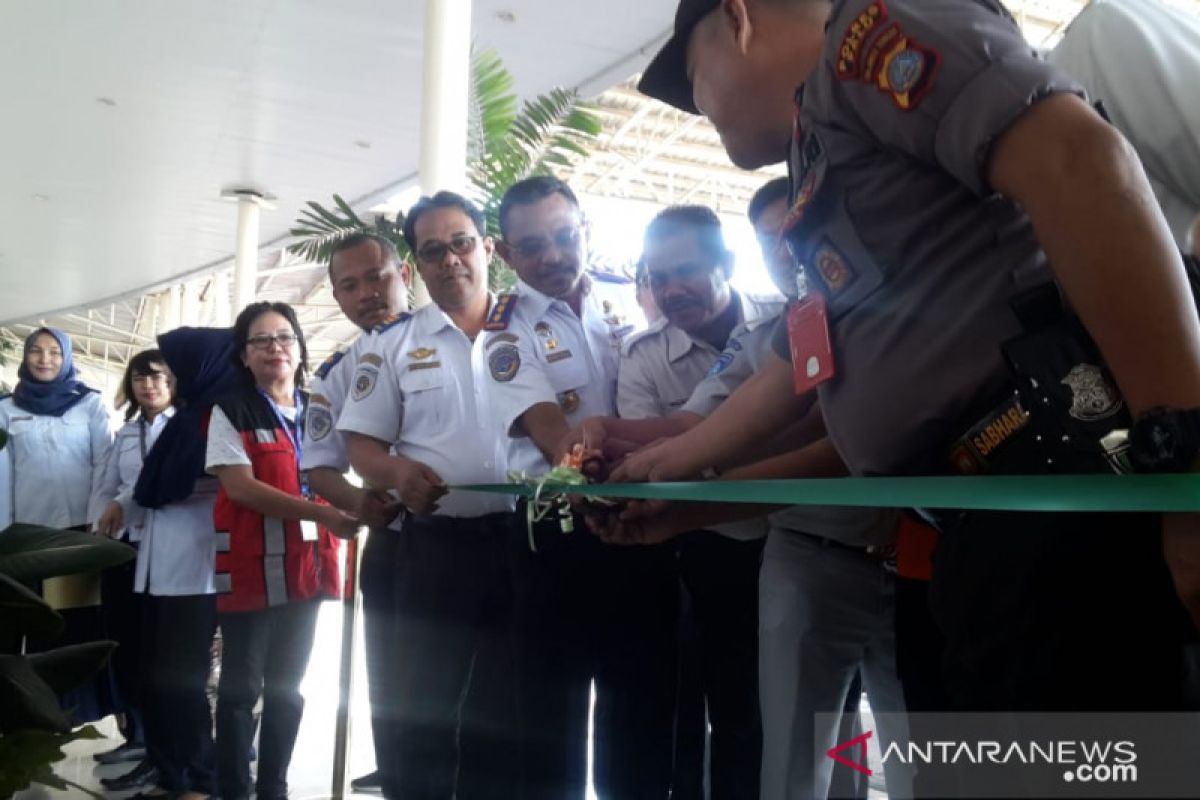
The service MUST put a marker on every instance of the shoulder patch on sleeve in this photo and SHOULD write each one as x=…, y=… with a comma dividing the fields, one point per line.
x=391, y=322
x=329, y=363
x=501, y=313
x=862, y=28
x=899, y=66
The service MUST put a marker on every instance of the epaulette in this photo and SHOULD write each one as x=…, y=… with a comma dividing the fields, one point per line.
x=642, y=335
x=328, y=364
x=391, y=322
x=502, y=312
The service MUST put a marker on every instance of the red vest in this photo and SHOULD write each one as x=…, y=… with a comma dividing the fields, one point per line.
x=261, y=561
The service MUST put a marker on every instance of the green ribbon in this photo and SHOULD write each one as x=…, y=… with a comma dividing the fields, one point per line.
x=1155, y=493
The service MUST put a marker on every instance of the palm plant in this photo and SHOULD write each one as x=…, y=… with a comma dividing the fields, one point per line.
x=507, y=142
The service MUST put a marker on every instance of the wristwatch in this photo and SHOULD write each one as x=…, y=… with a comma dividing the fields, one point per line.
x=1165, y=440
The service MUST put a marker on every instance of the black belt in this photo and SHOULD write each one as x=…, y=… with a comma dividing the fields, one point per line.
x=877, y=552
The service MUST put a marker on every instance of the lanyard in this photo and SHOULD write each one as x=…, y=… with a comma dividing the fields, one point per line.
x=294, y=430
x=142, y=436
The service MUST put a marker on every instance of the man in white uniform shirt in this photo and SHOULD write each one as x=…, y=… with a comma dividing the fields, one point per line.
x=370, y=286
x=417, y=421
x=688, y=268
x=586, y=611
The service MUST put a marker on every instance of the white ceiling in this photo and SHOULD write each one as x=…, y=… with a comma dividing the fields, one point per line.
x=125, y=119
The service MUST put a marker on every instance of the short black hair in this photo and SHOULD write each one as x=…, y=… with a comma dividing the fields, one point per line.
x=530, y=191
x=147, y=362
x=241, y=335
x=442, y=199
x=770, y=192
x=357, y=240
x=700, y=220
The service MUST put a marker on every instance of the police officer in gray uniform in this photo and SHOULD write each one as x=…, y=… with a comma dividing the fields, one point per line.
x=945, y=182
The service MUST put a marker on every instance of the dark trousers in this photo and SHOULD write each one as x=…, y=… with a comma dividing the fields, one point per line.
x=1058, y=612
x=264, y=653
x=177, y=641
x=379, y=577
x=720, y=674
x=445, y=700
x=588, y=611
x=121, y=615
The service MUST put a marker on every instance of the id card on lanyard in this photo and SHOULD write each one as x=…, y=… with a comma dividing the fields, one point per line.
x=294, y=429
x=809, y=339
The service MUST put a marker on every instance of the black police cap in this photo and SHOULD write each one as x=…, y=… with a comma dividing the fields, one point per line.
x=666, y=78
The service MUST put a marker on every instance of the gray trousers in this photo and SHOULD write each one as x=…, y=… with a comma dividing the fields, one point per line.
x=824, y=613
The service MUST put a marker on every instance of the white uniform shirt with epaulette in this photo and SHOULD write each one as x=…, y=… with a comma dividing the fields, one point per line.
x=538, y=351
x=420, y=385
x=661, y=366
x=746, y=352
x=324, y=445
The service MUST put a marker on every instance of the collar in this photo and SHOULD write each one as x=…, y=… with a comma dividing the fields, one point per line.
x=165, y=415
x=536, y=304
x=680, y=343
x=428, y=321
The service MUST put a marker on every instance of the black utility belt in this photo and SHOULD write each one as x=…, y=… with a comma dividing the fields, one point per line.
x=1062, y=413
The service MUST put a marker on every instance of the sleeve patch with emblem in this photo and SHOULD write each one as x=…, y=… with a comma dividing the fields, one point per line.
x=721, y=364
x=899, y=66
x=504, y=362
x=320, y=422
x=849, y=55
x=365, y=378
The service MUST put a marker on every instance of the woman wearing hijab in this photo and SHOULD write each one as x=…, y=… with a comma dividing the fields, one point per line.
x=58, y=433
x=273, y=563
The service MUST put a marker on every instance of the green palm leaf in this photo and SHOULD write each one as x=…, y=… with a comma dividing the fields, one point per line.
x=32, y=553
x=507, y=142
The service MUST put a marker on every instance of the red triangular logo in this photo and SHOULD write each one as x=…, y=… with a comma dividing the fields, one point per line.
x=860, y=765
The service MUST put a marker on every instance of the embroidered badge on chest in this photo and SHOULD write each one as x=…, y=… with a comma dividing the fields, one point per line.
x=504, y=362
x=546, y=336
x=835, y=271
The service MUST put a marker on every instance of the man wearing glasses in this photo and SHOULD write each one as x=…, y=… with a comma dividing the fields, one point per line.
x=585, y=611
x=416, y=423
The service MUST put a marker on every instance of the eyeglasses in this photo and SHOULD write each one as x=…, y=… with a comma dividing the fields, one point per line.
x=264, y=341
x=434, y=252
x=657, y=279
x=535, y=246
x=153, y=377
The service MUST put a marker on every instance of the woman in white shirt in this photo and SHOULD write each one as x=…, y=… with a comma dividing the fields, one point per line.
x=176, y=607
x=59, y=434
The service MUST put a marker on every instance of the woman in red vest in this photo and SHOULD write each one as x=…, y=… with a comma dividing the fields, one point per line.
x=276, y=557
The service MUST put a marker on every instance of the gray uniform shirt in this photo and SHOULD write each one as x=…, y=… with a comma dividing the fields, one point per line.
x=895, y=223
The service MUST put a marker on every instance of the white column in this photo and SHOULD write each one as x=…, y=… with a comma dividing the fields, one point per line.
x=245, y=269
x=445, y=92
x=222, y=306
